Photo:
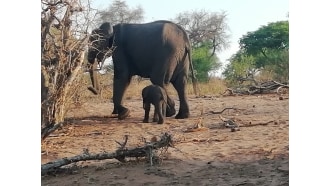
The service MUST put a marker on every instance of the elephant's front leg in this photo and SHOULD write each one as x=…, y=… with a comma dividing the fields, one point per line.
x=146, y=107
x=119, y=87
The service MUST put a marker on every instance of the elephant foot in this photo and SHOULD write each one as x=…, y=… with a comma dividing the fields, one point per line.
x=114, y=113
x=170, y=112
x=155, y=120
x=182, y=115
x=123, y=114
x=170, y=108
x=145, y=121
x=160, y=122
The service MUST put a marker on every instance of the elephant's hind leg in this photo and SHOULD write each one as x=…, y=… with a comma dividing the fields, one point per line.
x=170, y=107
x=159, y=112
x=155, y=118
x=180, y=87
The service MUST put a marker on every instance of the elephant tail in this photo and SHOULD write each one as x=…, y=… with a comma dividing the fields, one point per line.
x=191, y=67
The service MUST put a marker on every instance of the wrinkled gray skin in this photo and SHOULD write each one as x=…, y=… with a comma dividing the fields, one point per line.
x=156, y=95
x=158, y=50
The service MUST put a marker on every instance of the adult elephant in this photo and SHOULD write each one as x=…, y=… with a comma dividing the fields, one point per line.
x=158, y=50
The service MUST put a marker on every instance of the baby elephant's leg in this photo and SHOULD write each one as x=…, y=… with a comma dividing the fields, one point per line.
x=146, y=107
x=155, y=118
x=159, y=112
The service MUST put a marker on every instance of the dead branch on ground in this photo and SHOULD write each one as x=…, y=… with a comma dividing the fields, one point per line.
x=258, y=124
x=214, y=112
x=230, y=123
x=120, y=154
x=258, y=88
x=198, y=126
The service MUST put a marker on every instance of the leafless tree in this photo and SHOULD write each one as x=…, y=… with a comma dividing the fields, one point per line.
x=205, y=26
x=64, y=26
x=120, y=12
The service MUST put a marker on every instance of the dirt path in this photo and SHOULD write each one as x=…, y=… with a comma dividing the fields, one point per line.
x=255, y=155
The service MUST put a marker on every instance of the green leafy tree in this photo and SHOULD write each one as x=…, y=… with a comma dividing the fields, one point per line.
x=276, y=64
x=208, y=33
x=204, y=62
x=241, y=67
x=274, y=36
x=267, y=51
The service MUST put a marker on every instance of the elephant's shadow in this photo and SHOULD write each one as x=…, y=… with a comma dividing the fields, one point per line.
x=87, y=120
x=90, y=120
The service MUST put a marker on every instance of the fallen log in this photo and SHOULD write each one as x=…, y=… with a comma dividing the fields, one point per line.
x=120, y=154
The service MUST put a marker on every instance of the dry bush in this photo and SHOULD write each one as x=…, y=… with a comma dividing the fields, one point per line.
x=63, y=43
x=215, y=86
x=81, y=95
x=79, y=92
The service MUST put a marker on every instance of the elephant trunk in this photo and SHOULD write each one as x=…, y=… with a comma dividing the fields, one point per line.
x=95, y=82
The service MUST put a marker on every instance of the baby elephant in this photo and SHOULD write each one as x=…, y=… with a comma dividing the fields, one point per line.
x=163, y=105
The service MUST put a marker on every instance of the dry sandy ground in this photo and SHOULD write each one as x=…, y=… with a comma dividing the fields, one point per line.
x=258, y=154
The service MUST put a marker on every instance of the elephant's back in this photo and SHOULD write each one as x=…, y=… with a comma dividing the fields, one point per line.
x=153, y=32
x=152, y=49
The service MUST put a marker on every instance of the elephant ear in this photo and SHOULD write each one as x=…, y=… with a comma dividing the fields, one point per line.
x=106, y=29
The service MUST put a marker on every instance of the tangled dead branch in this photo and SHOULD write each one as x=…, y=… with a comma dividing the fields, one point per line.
x=258, y=88
x=145, y=151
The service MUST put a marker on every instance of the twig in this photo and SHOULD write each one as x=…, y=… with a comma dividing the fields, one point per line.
x=214, y=112
x=231, y=91
x=284, y=85
x=122, y=145
x=257, y=124
x=199, y=126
